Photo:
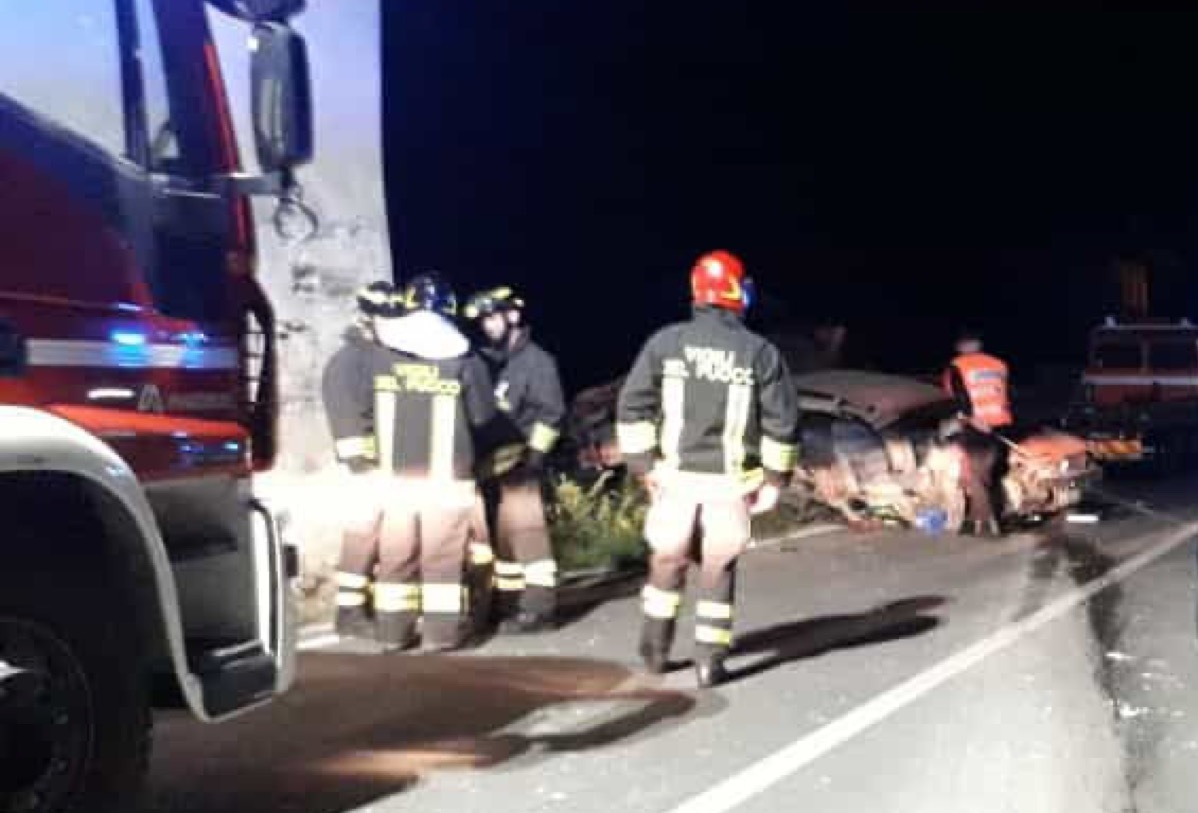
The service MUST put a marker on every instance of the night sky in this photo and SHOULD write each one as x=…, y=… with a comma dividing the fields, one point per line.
x=902, y=174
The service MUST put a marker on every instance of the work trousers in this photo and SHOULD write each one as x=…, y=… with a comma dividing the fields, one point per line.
x=421, y=558
x=423, y=530
x=361, y=522
x=525, y=570
x=480, y=566
x=703, y=519
x=982, y=455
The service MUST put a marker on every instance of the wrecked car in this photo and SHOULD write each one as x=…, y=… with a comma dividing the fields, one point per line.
x=877, y=448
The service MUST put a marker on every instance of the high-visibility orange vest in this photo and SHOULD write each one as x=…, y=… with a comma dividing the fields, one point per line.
x=986, y=381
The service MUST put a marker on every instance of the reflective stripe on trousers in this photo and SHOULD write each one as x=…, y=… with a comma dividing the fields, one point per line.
x=713, y=624
x=542, y=573
x=661, y=604
x=397, y=598
x=443, y=598
x=481, y=554
x=351, y=589
x=509, y=576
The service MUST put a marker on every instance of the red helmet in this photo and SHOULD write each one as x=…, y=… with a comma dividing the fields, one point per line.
x=718, y=279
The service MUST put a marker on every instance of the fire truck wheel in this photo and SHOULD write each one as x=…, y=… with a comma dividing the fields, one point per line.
x=74, y=707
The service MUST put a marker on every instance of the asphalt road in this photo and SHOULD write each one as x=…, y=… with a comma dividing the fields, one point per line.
x=1053, y=671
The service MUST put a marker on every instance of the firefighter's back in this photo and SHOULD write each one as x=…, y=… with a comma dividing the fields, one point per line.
x=710, y=367
x=422, y=400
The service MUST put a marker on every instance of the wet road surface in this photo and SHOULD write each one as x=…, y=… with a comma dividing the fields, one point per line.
x=1053, y=671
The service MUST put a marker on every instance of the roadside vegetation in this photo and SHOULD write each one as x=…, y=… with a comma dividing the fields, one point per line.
x=599, y=524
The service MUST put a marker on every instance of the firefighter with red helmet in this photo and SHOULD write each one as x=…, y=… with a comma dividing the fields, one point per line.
x=528, y=390
x=708, y=417
x=425, y=404
x=980, y=383
x=355, y=451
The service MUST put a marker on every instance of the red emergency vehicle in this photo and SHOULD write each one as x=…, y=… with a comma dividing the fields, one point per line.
x=136, y=383
x=1139, y=395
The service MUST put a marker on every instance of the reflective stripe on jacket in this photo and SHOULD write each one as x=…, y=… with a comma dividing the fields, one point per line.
x=414, y=416
x=708, y=396
x=346, y=408
x=529, y=390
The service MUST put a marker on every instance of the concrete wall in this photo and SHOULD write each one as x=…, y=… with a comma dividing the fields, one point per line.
x=312, y=282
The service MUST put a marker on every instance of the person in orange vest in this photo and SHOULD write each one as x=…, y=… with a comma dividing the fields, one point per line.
x=980, y=383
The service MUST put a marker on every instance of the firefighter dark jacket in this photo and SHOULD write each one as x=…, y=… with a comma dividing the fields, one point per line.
x=345, y=410
x=418, y=404
x=710, y=396
x=529, y=390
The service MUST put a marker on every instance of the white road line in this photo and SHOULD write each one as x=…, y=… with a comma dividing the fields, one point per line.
x=760, y=776
x=318, y=642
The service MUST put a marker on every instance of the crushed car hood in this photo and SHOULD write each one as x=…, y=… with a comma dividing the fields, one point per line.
x=876, y=398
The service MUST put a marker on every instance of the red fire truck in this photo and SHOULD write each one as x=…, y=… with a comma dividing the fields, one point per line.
x=1139, y=398
x=136, y=384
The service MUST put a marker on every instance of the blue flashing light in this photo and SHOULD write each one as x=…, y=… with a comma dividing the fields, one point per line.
x=128, y=338
x=233, y=446
x=193, y=338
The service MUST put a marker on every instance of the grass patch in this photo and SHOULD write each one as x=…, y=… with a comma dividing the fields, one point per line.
x=601, y=524
x=598, y=525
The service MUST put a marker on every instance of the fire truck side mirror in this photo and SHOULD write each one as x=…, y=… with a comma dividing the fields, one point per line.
x=281, y=97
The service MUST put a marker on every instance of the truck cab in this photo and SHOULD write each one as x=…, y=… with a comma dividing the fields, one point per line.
x=1139, y=390
x=137, y=392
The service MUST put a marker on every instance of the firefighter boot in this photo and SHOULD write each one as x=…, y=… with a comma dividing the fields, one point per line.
x=354, y=612
x=396, y=630
x=657, y=635
x=354, y=622
x=509, y=587
x=709, y=666
x=538, y=601
x=444, y=634
x=527, y=623
x=480, y=581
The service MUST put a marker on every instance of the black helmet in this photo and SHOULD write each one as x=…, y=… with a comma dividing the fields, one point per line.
x=430, y=292
x=490, y=301
x=379, y=299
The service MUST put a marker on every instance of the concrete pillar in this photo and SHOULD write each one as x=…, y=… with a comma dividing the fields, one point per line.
x=312, y=282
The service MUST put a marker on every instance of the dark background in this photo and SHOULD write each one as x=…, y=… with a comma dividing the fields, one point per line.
x=905, y=174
